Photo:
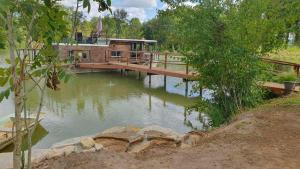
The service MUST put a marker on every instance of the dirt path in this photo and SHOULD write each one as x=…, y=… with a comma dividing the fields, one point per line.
x=267, y=137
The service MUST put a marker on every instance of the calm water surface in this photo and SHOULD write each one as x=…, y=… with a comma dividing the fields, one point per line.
x=90, y=103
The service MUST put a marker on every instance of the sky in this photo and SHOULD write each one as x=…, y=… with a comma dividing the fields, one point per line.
x=142, y=9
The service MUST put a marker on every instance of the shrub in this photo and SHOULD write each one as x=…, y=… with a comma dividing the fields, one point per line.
x=285, y=76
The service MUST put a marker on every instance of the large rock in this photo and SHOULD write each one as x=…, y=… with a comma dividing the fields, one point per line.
x=157, y=132
x=127, y=134
x=87, y=143
x=192, y=138
x=98, y=146
x=54, y=153
x=113, y=144
x=71, y=141
x=140, y=147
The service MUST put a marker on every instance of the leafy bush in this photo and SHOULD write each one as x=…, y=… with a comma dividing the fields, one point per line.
x=286, y=76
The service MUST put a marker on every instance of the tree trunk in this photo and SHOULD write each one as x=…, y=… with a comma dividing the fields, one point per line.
x=74, y=25
x=17, y=94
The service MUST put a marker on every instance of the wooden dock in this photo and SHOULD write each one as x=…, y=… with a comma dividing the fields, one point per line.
x=138, y=68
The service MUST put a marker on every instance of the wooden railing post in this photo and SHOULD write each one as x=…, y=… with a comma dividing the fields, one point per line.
x=105, y=59
x=297, y=70
x=151, y=57
x=127, y=58
x=166, y=57
x=187, y=69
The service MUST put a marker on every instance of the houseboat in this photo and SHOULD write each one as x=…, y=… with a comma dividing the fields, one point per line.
x=102, y=50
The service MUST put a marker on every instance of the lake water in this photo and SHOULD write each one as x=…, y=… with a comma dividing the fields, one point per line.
x=92, y=102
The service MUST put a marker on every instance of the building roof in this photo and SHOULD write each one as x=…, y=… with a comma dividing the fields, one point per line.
x=133, y=40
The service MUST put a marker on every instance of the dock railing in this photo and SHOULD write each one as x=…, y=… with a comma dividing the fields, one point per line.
x=146, y=58
x=295, y=66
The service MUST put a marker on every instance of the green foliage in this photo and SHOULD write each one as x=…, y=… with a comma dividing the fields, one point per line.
x=224, y=41
x=2, y=38
x=120, y=16
x=164, y=28
x=135, y=29
x=285, y=77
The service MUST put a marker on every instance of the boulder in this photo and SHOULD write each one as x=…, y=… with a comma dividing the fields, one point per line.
x=140, y=147
x=192, y=138
x=113, y=144
x=91, y=150
x=87, y=143
x=157, y=132
x=54, y=153
x=69, y=149
x=98, y=147
x=71, y=141
x=126, y=134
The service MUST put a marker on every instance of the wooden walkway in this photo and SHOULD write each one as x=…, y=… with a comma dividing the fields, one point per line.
x=138, y=68
x=275, y=87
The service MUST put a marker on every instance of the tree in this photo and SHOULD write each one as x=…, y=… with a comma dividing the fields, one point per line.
x=135, y=29
x=43, y=23
x=102, y=6
x=109, y=27
x=164, y=29
x=224, y=41
x=120, y=16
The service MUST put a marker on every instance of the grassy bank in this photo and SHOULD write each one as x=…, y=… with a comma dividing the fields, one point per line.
x=290, y=54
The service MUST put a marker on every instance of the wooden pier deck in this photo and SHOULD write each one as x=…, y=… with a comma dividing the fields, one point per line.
x=138, y=68
x=275, y=87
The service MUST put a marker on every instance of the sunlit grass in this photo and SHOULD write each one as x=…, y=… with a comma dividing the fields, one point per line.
x=290, y=54
x=291, y=100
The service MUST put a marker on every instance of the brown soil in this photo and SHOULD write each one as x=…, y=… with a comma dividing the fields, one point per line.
x=267, y=137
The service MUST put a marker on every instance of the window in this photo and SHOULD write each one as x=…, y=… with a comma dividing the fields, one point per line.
x=84, y=55
x=115, y=53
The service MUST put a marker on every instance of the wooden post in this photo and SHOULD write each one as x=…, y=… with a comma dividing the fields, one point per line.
x=150, y=103
x=165, y=82
x=186, y=88
x=201, y=91
x=187, y=69
x=166, y=57
x=297, y=70
x=139, y=76
x=105, y=56
x=34, y=54
x=151, y=57
x=127, y=58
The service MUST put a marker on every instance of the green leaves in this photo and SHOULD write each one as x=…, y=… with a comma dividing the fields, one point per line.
x=224, y=41
x=4, y=76
x=86, y=4
x=4, y=94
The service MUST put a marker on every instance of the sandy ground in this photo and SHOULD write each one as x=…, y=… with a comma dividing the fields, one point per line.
x=267, y=137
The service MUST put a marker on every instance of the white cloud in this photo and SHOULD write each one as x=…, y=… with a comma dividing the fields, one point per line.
x=136, y=13
x=138, y=3
x=191, y=4
x=134, y=8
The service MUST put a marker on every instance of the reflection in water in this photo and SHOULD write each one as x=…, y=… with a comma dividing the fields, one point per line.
x=39, y=133
x=93, y=102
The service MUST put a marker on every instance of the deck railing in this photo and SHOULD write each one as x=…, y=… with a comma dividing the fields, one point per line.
x=146, y=58
x=295, y=66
